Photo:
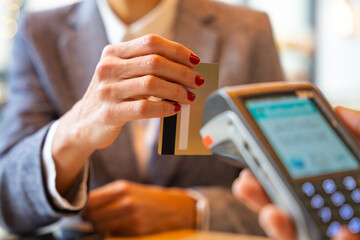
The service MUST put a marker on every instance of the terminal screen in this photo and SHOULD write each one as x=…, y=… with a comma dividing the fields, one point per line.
x=303, y=139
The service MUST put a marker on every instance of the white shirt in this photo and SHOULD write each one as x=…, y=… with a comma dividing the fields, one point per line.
x=159, y=21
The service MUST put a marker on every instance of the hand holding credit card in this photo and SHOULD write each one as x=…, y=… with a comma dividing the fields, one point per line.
x=179, y=134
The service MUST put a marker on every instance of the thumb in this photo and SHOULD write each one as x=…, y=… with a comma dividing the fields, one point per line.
x=276, y=224
x=351, y=118
x=345, y=234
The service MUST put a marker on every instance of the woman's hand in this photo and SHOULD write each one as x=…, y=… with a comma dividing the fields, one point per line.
x=276, y=223
x=125, y=208
x=126, y=75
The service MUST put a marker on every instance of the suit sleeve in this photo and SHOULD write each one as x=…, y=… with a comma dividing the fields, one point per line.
x=24, y=203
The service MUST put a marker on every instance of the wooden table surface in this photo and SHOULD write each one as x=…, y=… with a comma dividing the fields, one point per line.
x=192, y=235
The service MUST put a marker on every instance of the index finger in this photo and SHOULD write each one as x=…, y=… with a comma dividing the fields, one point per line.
x=345, y=234
x=153, y=44
x=106, y=194
x=351, y=118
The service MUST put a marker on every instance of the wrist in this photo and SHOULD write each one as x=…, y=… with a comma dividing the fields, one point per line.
x=69, y=153
x=70, y=140
x=67, y=145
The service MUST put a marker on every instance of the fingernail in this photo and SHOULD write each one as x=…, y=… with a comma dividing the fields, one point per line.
x=194, y=59
x=177, y=107
x=199, y=80
x=191, y=96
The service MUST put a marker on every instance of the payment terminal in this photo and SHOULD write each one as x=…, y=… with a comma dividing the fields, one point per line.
x=306, y=159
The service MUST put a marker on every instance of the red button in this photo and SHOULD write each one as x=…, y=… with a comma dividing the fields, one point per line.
x=207, y=141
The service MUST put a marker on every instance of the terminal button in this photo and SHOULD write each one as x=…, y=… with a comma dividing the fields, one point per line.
x=346, y=212
x=333, y=229
x=325, y=214
x=354, y=225
x=349, y=183
x=355, y=195
x=329, y=186
x=317, y=201
x=338, y=199
x=308, y=189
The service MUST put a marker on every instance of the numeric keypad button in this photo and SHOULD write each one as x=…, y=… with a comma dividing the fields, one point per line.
x=308, y=189
x=349, y=183
x=325, y=214
x=338, y=199
x=354, y=225
x=317, y=201
x=333, y=229
x=329, y=186
x=355, y=195
x=346, y=212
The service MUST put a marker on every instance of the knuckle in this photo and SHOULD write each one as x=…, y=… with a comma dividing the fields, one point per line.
x=153, y=62
x=103, y=69
x=179, y=91
x=130, y=202
x=120, y=183
x=142, y=108
x=103, y=91
x=151, y=41
x=106, y=113
x=108, y=50
x=129, y=206
x=122, y=186
x=149, y=83
x=100, y=70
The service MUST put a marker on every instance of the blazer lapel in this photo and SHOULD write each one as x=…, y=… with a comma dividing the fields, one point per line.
x=193, y=29
x=81, y=47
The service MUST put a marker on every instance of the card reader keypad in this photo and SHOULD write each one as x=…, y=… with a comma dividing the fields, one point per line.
x=334, y=202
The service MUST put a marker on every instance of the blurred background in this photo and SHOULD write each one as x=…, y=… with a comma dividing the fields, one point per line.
x=318, y=41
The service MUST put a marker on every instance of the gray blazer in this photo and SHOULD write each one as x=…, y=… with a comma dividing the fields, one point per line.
x=54, y=58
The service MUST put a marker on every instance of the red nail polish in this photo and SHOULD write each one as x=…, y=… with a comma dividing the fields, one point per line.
x=191, y=96
x=194, y=59
x=199, y=80
x=177, y=107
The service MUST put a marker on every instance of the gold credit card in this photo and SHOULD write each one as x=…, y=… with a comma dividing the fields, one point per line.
x=180, y=133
